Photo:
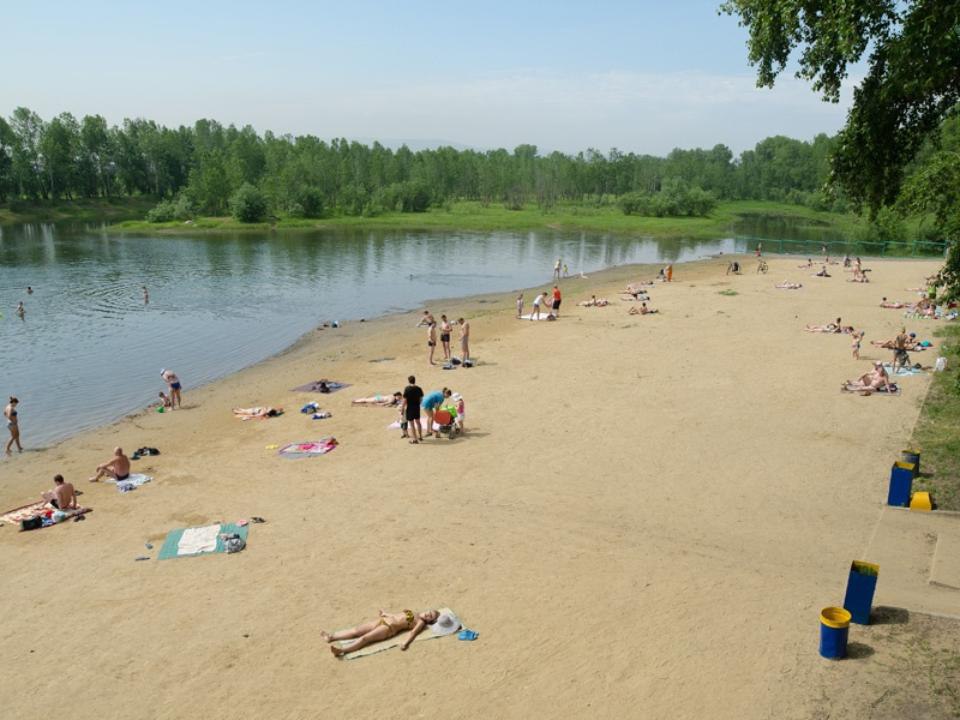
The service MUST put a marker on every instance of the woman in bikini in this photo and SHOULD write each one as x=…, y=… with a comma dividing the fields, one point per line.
x=386, y=626
x=13, y=424
x=381, y=400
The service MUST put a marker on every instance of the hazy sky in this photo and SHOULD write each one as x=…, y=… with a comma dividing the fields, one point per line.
x=641, y=76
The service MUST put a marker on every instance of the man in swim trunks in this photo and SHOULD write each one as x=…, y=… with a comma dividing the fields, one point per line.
x=556, y=301
x=386, y=626
x=63, y=496
x=117, y=467
x=171, y=379
x=431, y=342
x=412, y=395
x=464, y=339
x=431, y=403
x=900, y=357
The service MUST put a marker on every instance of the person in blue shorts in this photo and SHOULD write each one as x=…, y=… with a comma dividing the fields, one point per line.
x=431, y=403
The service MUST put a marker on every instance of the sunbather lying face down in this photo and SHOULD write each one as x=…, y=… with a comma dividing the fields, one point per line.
x=257, y=413
x=386, y=626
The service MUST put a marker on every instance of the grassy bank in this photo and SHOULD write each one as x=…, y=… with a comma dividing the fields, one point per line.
x=937, y=433
x=466, y=215
x=85, y=210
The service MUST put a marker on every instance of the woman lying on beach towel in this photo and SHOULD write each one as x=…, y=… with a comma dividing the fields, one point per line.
x=594, y=301
x=257, y=413
x=381, y=400
x=642, y=310
x=789, y=285
x=388, y=625
x=894, y=304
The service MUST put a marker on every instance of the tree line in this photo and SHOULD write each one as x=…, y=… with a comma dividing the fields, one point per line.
x=199, y=169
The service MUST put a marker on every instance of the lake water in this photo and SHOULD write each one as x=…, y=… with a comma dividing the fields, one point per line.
x=89, y=350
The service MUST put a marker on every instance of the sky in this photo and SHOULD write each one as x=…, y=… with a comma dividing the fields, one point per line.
x=641, y=76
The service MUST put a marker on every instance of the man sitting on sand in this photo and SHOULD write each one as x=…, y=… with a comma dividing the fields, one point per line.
x=642, y=310
x=117, y=467
x=823, y=273
x=733, y=267
x=869, y=382
x=386, y=626
x=62, y=496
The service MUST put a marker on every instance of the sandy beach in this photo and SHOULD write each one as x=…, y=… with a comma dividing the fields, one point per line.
x=643, y=520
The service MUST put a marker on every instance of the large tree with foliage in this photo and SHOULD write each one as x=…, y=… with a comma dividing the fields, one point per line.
x=912, y=85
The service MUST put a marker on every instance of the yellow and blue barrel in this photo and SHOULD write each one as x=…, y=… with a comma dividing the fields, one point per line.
x=834, y=627
x=912, y=457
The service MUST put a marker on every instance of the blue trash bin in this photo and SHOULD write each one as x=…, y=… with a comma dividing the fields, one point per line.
x=860, y=588
x=834, y=628
x=901, y=484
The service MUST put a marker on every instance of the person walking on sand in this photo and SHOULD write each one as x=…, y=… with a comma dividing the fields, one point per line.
x=431, y=341
x=857, y=339
x=117, y=467
x=556, y=269
x=171, y=379
x=13, y=424
x=519, y=306
x=556, y=301
x=464, y=339
x=445, y=330
x=412, y=396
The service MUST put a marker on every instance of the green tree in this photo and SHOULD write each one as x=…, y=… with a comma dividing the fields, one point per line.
x=911, y=86
x=248, y=204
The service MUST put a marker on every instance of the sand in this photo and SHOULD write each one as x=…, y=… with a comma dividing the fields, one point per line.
x=644, y=519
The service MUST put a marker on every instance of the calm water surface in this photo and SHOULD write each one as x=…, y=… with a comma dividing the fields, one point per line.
x=89, y=350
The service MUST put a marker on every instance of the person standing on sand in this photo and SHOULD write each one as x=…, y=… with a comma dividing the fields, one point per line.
x=535, y=312
x=445, y=330
x=431, y=341
x=464, y=339
x=412, y=395
x=670, y=272
x=519, y=306
x=556, y=301
x=171, y=379
x=857, y=338
x=431, y=403
x=13, y=424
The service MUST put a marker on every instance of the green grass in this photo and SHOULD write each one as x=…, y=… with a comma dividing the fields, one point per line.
x=84, y=210
x=470, y=215
x=937, y=433
x=728, y=292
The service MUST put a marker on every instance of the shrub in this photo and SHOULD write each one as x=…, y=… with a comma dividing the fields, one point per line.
x=248, y=204
x=161, y=212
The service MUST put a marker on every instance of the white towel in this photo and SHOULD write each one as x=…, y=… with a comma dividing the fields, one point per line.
x=198, y=540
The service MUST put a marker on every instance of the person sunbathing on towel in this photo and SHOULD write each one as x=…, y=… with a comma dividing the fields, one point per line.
x=62, y=496
x=789, y=285
x=594, y=301
x=386, y=626
x=117, y=467
x=833, y=327
x=642, y=310
x=381, y=400
x=892, y=304
x=871, y=381
x=257, y=413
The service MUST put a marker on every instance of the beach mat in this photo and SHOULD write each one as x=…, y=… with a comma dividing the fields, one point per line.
x=904, y=372
x=171, y=545
x=393, y=642
x=134, y=481
x=25, y=512
x=315, y=386
x=308, y=448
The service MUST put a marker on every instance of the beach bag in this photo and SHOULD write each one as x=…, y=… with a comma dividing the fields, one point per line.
x=34, y=523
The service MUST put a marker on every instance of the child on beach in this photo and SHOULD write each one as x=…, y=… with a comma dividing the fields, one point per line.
x=857, y=337
x=519, y=305
x=402, y=414
x=461, y=411
x=165, y=401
